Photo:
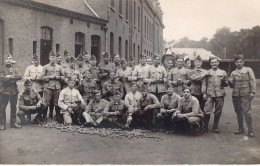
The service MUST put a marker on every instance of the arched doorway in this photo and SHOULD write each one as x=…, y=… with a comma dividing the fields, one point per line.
x=46, y=44
x=95, y=46
x=1, y=41
x=79, y=43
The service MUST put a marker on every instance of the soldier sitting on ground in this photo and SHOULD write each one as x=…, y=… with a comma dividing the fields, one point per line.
x=94, y=111
x=116, y=111
x=169, y=104
x=188, y=115
x=30, y=102
x=71, y=103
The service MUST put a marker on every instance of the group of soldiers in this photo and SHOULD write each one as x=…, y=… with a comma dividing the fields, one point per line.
x=116, y=93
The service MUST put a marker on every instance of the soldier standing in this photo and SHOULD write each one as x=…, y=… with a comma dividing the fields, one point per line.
x=30, y=102
x=170, y=65
x=243, y=82
x=86, y=58
x=88, y=87
x=66, y=63
x=156, y=77
x=79, y=65
x=117, y=61
x=72, y=73
x=213, y=92
x=52, y=74
x=178, y=77
x=196, y=76
x=95, y=71
x=59, y=59
x=105, y=67
x=8, y=91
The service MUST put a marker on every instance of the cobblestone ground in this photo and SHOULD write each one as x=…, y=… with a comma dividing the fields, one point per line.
x=34, y=145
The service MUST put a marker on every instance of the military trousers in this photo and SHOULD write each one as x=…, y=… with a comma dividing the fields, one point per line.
x=183, y=124
x=218, y=102
x=4, y=99
x=201, y=101
x=145, y=119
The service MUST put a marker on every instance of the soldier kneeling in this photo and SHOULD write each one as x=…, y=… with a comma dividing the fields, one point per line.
x=71, y=103
x=188, y=115
x=116, y=111
x=30, y=102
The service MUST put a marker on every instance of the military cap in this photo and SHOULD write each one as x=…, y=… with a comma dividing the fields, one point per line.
x=27, y=82
x=187, y=59
x=117, y=92
x=52, y=53
x=238, y=57
x=105, y=54
x=131, y=58
x=133, y=83
x=80, y=58
x=8, y=55
x=198, y=58
x=85, y=52
x=66, y=52
x=72, y=59
x=123, y=60
x=180, y=57
x=144, y=87
x=93, y=57
x=213, y=57
x=97, y=92
x=58, y=54
x=142, y=55
x=156, y=56
x=35, y=57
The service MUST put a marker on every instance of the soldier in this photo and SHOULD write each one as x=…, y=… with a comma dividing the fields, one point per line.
x=148, y=107
x=188, y=112
x=52, y=74
x=149, y=61
x=72, y=73
x=86, y=57
x=156, y=76
x=117, y=61
x=9, y=75
x=170, y=65
x=95, y=71
x=187, y=64
x=94, y=111
x=66, y=63
x=79, y=65
x=213, y=92
x=131, y=62
x=71, y=103
x=59, y=59
x=30, y=102
x=169, y=103
x=116, y=111
x=243, y=82
x=105, y=67
x=196, y=76
x=178, y=77
x=125, y=75
x=140, y=70
x=88, y=87
x=111, y=86
x=33, y=72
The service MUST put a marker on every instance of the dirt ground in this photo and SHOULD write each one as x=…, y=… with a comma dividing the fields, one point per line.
x=32, y=145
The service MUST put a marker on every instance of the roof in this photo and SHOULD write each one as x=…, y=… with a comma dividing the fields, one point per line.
x=72, y=5
x=101, y=7
x=191, y=53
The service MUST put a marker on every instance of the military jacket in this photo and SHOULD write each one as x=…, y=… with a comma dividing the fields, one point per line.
x=178, y=74
x=150, y=100
x=65, y=65
x=190, y=107
x=73, y=74
x=33, y=73
x=104, y=70
x=120, y=108
x=212, y=83
x=140, y=71
x=68, y=98
x=88, y=87
x=8, y=86
x=196, y=77
x=156, y=77
x=97, y=107
x=50, y=71
x=124, y=76
x=94, y=72
x=116, y=85
x=243, y=81
x=28, y=99
x=133, y=99
x=170, y=102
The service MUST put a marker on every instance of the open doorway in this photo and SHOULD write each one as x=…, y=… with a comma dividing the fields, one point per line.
x=95, y=47
x=46, y=44
x=1, y=41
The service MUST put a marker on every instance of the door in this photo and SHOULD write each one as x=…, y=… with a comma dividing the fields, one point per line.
x=1, y=41
x=95, y=47
x=45, y=50
x=78, y=50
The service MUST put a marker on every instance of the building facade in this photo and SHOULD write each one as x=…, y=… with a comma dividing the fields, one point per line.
x=129, y=27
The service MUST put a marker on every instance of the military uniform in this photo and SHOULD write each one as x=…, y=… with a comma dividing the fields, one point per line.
x=193, y=114
x=114, y=85
x=71, y=98
x=94, y=111
x=87, y=90
x=125, y=76
x=8, y=91
x=168, y=104
x=73, y=74
x=213, y=86
x=178, y=78
x=243, y=83
x=196, y=77
x=132, y=99
x=139, y=73
x=156, y=78
x=104, y=71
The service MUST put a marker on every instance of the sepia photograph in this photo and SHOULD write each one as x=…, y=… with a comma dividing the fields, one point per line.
x=129, y=82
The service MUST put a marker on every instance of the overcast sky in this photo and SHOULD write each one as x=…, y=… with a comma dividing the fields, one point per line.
x=201, y=18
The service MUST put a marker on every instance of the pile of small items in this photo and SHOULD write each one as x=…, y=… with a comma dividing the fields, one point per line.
x=103, y=132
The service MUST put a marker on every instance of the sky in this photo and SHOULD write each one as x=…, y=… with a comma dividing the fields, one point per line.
x=196, y=19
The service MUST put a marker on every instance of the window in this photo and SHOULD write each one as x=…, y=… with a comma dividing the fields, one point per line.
x=126, y=9
x=134, y=14
x=34, y=47
x=57, y=47
x=120, y=46
x=112, y=3
x=145, y=25
x=11, y=46
x=79, y=43
x=139, y=17
x=138, y=52
x=46, y=33
x=134, y=51
x=126, y=50
x=120, y=6
x=71, y=21
x=111, y=43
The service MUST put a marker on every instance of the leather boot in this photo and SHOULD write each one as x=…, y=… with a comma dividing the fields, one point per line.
x=241, y=129
x=15, y=125
x=216, y=121
x=249, y=125
x=23, y=120
x=206, y=123
x=2, y=127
